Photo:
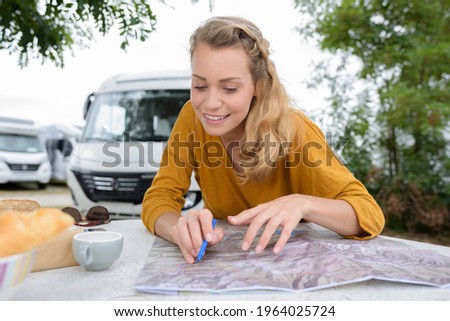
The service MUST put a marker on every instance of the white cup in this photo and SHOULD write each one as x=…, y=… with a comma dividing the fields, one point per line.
x=97, y=251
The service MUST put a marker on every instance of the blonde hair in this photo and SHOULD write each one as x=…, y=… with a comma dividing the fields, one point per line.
x=269, y=122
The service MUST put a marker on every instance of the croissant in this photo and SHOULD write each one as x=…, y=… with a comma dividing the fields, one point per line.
x=22, y=205
x=23, y=231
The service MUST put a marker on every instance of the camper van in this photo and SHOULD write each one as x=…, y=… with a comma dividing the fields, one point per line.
x=59, y=140
x=128, y=122
x=23, y=157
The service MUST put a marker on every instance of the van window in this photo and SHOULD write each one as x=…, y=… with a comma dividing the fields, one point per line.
x=20, y=143
x=144, y=115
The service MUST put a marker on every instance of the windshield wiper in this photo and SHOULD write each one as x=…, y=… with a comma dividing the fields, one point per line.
x=150, y=139
x=96, y=139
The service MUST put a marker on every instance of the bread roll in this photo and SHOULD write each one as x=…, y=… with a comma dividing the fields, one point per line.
x=22, y=231
x=21, y=205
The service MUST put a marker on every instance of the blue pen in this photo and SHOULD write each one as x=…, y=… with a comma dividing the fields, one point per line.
x=204, y=244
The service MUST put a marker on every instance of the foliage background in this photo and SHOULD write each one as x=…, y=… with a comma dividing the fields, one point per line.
x=46, y=29
x=395, y=111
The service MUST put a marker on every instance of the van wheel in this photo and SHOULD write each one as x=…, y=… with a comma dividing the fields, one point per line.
x=42, y=186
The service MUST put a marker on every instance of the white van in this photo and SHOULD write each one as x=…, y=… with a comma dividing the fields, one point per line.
x=128, y=122
x=59, y=141
x=23, y=157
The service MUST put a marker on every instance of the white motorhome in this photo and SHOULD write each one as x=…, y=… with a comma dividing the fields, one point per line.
x=23, y=157
x=59, y=141
x=128, y=122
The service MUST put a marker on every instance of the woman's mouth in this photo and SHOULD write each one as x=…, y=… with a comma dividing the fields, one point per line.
x=215, y=117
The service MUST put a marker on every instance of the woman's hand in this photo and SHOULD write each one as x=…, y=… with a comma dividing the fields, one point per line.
x=190, y=231
x=285, y=211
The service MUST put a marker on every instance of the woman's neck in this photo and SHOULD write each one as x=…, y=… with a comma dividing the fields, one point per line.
x=231, y=141
x=233, y=136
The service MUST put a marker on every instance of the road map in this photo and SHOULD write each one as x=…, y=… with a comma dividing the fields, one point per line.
x=312, y=259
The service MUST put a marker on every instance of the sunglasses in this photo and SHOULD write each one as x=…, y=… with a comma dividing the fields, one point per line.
x=96, y=215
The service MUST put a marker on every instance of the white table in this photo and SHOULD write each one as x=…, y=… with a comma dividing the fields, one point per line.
x=116, y=283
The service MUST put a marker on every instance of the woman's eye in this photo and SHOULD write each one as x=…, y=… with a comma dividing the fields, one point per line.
x=200, y=88
x=230, y=89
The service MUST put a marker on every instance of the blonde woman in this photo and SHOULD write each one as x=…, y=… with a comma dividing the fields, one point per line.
x=258, y=161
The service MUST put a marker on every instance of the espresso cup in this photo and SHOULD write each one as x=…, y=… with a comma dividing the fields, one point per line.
x=97, y=251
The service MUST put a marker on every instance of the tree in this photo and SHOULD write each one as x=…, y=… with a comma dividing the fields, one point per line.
x=46, y=29
x=404, y=50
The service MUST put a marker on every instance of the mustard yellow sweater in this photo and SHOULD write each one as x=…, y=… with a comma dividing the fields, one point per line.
x=311, y=170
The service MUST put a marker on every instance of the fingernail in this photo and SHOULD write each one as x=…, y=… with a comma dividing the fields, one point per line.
x=258, y=249
x=208, y=237
x=277, y=249
x=245, y=246
x=194, y=253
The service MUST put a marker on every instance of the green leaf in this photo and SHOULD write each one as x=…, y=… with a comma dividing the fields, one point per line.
x=31, y=34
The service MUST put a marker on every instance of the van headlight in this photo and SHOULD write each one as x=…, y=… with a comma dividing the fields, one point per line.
x=192, y=198
x=45, y=167
x=3, y=166
x=74, y=163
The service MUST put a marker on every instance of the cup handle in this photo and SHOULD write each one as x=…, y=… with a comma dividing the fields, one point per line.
x=86, y=256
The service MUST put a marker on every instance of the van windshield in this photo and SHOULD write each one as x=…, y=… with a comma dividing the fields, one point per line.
x=144, y=115
x=20, y=143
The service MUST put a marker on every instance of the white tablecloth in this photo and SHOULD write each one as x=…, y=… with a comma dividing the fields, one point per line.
x=116, y=283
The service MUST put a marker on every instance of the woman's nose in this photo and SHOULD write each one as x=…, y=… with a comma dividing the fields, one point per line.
x=213, y=100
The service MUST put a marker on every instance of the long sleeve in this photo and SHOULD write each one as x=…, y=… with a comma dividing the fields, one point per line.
x=174, y=175
x=322, y=174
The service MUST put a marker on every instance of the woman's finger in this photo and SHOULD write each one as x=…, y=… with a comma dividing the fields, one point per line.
x=218, y=235
x=185, y=240
x=195, y=231
x=206, y=217
x=247, y=216
x=266, y=236
x=286, y=233
x=253, y=229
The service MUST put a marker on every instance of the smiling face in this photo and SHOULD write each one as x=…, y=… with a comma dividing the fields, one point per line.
x=222, y=90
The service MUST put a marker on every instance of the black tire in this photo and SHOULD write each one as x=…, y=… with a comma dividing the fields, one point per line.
x=42, y=185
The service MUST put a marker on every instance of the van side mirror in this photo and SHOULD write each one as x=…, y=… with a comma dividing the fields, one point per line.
x=68, y=148
x=65, y=147
x=87, y=104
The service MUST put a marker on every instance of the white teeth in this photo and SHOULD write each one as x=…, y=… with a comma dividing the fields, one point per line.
x=215, y=117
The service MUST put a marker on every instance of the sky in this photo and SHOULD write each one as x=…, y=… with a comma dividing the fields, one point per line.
x=53, y=95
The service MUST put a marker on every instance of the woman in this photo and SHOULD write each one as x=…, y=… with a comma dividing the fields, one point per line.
x=258, y=161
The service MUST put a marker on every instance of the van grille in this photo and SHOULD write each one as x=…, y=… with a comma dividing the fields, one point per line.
x=24, y=167
x=99, y=186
